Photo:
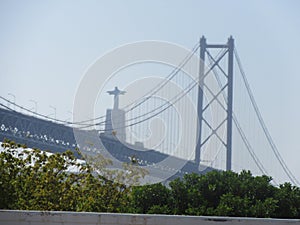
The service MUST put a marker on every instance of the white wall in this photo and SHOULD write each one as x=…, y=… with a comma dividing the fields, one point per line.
x=8, y=217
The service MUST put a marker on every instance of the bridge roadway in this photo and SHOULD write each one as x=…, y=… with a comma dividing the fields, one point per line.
x=49, y=136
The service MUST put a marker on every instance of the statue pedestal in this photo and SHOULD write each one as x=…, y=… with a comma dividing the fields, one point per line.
x=115, y=124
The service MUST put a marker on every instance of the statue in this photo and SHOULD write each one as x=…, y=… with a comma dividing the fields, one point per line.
x=116, y=94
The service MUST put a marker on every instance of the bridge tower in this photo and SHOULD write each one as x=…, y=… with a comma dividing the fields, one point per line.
x=226, y=89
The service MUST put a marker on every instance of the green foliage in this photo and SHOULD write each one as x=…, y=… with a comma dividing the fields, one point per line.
x=130, y=174
x=288, y=197
x=231, y=205
x=150, y=198
x=179, y=196
x=219, y=193
x=35, y=180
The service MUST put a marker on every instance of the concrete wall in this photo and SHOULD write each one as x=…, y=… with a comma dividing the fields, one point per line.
x=8, y=217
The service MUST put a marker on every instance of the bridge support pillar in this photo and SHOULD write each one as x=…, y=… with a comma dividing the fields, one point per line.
x=225, y=90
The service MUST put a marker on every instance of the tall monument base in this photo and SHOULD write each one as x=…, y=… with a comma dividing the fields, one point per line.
x=115, y=124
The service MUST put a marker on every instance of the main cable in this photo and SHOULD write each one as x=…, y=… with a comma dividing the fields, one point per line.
x=176, y=97
x=238, y=126
x=263, y=125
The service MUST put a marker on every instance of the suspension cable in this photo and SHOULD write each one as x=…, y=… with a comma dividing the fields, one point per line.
x=262, y=123
x=238, y=126
x=153, y=91
x=176, y=98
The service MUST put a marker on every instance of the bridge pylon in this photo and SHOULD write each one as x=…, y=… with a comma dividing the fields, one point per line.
x=225, y=91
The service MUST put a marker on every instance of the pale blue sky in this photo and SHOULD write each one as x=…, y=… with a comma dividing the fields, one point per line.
x=45, y=47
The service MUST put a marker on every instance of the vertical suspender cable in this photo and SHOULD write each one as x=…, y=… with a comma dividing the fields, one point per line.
x=263, y=125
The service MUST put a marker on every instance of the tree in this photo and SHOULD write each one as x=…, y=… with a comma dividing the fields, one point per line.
x=10, y=167
x=224, y=193
x=35, y=180
x=288, y=197
x=150, y=199
x=231, y=205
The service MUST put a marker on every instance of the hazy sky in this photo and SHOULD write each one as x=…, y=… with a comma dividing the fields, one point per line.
x=46, y=46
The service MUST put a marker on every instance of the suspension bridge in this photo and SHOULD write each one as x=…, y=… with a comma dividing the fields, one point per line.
x=209, y=122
